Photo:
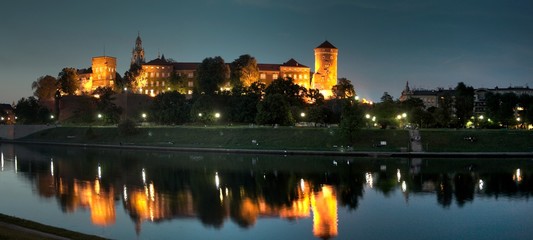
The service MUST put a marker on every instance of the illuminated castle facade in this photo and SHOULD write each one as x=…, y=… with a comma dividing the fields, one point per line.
x=102, y=73
x=156, y=74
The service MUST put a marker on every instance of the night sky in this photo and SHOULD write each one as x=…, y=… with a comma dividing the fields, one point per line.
x=381, y=45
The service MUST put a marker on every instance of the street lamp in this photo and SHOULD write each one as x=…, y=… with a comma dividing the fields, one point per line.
x=99, y=116
x=217, y=115
x=144, y=116
x=367, y=116
x=302, y=114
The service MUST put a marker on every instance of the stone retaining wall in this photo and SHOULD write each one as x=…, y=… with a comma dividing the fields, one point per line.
x=18, y=131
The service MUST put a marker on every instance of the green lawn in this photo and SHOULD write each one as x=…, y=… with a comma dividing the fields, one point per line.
x=240, y=137
x=296, y=138
x=501, y=140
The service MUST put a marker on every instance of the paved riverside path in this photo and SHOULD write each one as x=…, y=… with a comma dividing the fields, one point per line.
x=416, y=144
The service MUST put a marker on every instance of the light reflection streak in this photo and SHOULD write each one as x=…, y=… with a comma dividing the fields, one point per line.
x=369, y=179
x=399, y=175
x=125, y=193
x=2, y=159
x=16, y=169
x=517, y=177
x=99, y=171
x=217, y=180
x=143, y=176
x=52, y=167
x=481, y=184
x=404, y=186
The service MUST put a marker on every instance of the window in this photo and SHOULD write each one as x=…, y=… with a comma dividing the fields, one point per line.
x=151, y=74
x=275, y=76
x=156, y=74
x=157, y=84
x=190, y=84
x=163, y=67
x=262, y=76
x=163, y=83
x=190, y=75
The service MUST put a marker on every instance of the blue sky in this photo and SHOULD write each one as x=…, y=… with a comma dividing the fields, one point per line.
x=382, y=44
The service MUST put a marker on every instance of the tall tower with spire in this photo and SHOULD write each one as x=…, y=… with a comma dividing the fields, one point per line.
x=137, y=55
x=325, y=76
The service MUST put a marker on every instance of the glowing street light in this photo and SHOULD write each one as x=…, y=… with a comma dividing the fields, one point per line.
x=199, y=114
x=217, y=115
x=51, y=116
x=481, y=117
x=99, y=116
x=367, y=116
x=144, y=116
x=302, y=114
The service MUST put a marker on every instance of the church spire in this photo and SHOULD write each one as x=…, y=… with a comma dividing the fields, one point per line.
x=137, y=55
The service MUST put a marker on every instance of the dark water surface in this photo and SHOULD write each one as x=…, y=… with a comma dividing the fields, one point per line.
x=129, y=194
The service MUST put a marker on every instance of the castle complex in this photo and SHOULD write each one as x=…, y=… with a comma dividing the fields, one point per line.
x=156, y=74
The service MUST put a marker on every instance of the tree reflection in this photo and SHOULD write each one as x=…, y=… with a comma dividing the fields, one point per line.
x=178, y=185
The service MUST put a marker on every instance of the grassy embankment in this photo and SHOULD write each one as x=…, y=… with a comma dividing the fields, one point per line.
x=295, y=138
x=7, y=232
x=240, y=137
x=501, y=140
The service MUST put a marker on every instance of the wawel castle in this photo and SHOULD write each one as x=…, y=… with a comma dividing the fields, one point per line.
x=156, y=73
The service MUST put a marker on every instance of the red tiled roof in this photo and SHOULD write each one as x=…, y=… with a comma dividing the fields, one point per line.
x=268, y=67
x=293, y=63
x=186, y=65
x=158, y=61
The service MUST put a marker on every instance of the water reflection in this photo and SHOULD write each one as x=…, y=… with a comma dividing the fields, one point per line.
x=243, y=189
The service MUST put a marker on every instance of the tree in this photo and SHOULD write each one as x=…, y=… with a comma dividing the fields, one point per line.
x=243, y=103
x=105, y=106
x=464, y=103
x=315, y=98
x=212, y=73
x=130, y=77
x=45, y=88
x=352, y=120
x=386, y=97
x=293, y=93
x=29, y=111
x=444, y=113
x=274, y=109
x=68, y=81
x=244, y=71
x=343, y=89
x=170, y=108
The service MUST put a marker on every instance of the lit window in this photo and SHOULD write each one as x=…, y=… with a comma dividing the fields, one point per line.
x=157, y=84
x=156, y=74
x=190, y=75
x=190, y=84
x=189, y=92
x=151, y=74
x=163, y=84
x=262, y=76
x=163, y=67
x=275, y=76
x=157, y=67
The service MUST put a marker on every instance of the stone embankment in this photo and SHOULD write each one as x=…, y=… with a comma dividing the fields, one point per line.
x=11, y=132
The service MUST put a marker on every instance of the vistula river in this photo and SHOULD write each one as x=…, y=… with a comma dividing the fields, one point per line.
x=136, y=194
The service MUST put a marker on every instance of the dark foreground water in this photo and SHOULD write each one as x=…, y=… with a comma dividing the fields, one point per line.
x=166, y=195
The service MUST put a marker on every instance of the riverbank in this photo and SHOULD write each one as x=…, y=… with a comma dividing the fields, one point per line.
x=20, y=229
x=296, y=141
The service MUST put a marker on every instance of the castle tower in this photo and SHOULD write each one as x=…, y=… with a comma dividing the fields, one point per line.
x=325, y=76
x=137, y=54
x=104, y=71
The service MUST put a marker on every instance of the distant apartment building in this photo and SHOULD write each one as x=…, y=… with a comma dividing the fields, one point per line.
x=430, y=98
x=480, y=96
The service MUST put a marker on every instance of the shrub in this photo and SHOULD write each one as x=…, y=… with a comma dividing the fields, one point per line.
x=127, y=127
